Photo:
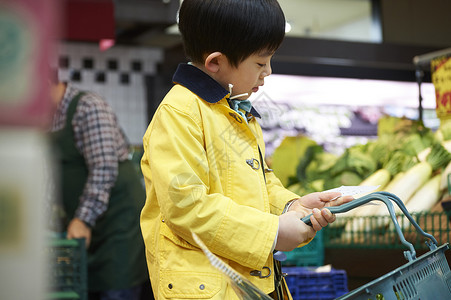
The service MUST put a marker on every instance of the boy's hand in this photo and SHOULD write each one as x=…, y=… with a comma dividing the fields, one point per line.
x=292, y=231
x=320, y=200
x=316, y=204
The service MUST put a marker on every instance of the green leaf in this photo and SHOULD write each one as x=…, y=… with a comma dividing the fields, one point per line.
x=286, y=157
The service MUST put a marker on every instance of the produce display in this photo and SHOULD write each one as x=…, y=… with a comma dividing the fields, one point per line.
x=407, y=159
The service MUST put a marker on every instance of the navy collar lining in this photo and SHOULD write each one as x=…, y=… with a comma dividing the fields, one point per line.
x=199, y=83
x=202, y=85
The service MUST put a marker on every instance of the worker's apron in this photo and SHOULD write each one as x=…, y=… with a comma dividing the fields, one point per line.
x=116, y=255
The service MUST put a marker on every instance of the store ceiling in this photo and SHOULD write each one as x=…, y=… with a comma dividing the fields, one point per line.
x=352, y=38
x=151, y=22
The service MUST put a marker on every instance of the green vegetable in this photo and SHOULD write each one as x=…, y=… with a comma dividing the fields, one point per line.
x=445, y=129
x=418, y=175
x=306, y=160
x=414, y=144
x=383, y=176
x=344, y=178
x=285, y=158
x=356, y=161
x=313, y=169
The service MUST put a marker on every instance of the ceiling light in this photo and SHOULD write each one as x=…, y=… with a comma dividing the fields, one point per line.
x=287, y=27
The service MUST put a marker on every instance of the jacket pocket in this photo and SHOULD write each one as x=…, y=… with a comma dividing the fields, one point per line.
x=189, y=285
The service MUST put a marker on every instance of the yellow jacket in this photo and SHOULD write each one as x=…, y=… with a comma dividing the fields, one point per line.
x=203, y=174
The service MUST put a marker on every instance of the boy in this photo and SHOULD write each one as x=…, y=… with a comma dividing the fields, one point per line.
x=203, y=162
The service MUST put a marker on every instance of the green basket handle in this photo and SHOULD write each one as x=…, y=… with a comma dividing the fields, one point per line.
x=385, y=197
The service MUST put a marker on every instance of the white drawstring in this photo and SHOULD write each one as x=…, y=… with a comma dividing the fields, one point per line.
x=236, y=96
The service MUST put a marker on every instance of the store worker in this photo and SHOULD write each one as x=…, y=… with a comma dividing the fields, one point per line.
x=203, y=161
x=101, y=192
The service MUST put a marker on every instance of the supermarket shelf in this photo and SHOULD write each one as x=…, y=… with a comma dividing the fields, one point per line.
x=378, y=232
x=366, y=255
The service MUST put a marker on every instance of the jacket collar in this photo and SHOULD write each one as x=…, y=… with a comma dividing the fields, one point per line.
x=202, y=85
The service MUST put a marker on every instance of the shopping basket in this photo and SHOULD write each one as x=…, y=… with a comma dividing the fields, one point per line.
x=68, y=269
x=425, y=277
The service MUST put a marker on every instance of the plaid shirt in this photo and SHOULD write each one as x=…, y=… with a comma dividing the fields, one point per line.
x=102, y=143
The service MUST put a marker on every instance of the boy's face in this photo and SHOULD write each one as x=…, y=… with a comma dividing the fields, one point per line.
x=248, y=76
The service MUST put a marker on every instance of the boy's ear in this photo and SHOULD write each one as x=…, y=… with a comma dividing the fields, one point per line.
x=213, y=61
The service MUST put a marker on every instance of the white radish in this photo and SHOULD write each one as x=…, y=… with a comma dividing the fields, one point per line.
x=424, y=199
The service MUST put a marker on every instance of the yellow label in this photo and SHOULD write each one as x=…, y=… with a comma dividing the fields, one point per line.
x=441, y=78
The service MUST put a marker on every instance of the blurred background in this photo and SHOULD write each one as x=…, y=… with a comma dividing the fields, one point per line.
x=344, y=65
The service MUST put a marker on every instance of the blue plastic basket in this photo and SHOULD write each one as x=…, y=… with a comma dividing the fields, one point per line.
x=311, y=255
x=427, y=277
x=306, y=283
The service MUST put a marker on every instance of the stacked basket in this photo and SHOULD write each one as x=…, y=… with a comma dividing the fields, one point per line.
x=68, y=271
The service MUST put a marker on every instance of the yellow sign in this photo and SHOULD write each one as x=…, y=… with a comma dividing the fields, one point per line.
x=441, y=78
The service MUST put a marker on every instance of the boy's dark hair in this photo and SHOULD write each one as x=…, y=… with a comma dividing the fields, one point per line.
x=236, y=28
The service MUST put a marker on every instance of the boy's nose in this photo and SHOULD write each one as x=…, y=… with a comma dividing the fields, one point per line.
x=267, y=71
